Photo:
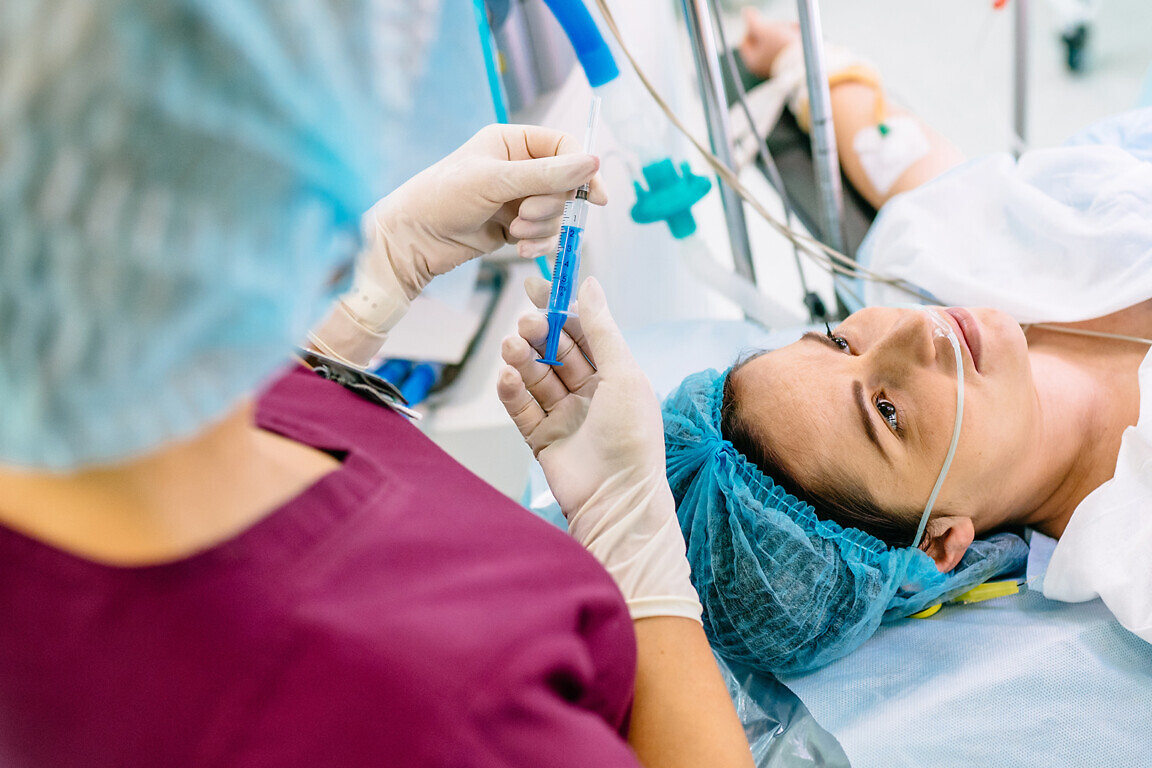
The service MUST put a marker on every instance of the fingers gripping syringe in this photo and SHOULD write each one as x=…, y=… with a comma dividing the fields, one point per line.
x=567, y=265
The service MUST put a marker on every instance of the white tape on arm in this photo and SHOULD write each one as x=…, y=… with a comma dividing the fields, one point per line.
x=886, y=154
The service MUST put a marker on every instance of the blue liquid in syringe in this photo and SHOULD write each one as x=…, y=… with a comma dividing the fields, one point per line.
x=564, y=272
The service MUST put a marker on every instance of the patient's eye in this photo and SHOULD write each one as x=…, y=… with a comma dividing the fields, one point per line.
x=888, y=413
x=839, y=341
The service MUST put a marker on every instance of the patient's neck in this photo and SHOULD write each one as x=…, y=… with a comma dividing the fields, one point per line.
x=183, y=498
x=1087, y=395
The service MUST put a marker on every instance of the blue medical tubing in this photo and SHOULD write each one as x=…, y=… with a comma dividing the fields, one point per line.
x=414, y=380
x=491, y=66
x=394, y=370
x=591, y=50
x=419, y=382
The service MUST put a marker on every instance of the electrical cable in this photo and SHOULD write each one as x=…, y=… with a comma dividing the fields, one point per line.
x=1086, y=332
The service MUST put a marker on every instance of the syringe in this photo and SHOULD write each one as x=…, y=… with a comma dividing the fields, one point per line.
x=567, y=266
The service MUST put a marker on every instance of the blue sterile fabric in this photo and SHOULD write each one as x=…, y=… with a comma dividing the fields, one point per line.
x=782, y=590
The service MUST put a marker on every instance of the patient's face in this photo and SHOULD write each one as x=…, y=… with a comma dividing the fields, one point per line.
x=875, y=405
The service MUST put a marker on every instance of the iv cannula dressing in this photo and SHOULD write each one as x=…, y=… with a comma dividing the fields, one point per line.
x=567, y=266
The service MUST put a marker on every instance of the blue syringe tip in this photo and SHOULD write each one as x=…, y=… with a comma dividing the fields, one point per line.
x=552, y=345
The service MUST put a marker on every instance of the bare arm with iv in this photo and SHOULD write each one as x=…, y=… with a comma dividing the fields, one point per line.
x=884, y=149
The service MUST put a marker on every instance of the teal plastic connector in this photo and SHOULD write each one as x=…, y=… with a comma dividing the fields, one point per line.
x=669, y=197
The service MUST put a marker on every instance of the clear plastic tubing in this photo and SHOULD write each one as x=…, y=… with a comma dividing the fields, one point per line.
x=567, y=266
x=944, y=329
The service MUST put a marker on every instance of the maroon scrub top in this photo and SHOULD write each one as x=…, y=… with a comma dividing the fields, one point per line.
x=399, y=612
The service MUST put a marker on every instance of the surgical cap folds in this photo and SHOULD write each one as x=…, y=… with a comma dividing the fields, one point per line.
x=178, y=182
x=782, y=590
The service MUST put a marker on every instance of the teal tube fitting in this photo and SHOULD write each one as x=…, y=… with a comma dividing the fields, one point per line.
x=669, y=197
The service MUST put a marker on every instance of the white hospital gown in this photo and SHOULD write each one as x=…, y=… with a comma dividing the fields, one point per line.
x=1063, y=234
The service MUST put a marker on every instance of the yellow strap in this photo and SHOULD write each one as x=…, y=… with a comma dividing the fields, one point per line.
x=855, y=73
x=988, y=591
x=932, y=611
x=977, y=594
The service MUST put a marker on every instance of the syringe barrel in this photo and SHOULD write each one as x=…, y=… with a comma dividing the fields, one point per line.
x=567, y=268
x=575, y=213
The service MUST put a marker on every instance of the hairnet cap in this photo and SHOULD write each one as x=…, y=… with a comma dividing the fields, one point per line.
x=782, y=590
x=178, y=183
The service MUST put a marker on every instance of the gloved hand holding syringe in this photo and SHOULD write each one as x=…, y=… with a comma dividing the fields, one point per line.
x=567, y=266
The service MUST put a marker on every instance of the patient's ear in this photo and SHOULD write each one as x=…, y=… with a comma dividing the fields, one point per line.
x=949, y=541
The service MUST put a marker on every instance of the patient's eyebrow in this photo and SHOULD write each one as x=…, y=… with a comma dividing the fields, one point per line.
x=823, y=338
x=857, y=391
x=869, y=427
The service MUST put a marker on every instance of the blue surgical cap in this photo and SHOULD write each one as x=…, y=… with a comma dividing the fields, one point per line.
x=178, y=182
x=782, y=590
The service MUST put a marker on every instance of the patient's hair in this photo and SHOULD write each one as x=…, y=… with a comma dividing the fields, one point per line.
x=836, y=499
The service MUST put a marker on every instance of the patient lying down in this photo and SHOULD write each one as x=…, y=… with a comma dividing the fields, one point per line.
x=801, y=474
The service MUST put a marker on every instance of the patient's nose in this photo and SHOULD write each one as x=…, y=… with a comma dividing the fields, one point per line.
x=907, y=342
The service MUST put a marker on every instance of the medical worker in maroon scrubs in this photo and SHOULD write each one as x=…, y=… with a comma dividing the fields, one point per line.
x=211, y=556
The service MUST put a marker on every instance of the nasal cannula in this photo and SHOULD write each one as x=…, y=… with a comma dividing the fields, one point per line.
x=567, y=265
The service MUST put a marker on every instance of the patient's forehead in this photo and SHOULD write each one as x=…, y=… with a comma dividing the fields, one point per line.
x=785, y=406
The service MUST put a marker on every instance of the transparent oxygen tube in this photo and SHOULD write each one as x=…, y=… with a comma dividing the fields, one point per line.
x=944, y=328
x=567, y=266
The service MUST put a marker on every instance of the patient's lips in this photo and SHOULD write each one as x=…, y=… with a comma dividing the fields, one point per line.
x=969, y=333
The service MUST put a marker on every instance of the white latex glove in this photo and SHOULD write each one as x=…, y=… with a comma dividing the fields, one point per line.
x=507, y=184
x=597, y=432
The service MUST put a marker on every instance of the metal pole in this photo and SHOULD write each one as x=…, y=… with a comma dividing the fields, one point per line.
x=703, y=39
x=1020, y=81
x=821, y=132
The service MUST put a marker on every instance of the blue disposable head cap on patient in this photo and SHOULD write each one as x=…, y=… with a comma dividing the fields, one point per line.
x=178, y=183
x=784, y=591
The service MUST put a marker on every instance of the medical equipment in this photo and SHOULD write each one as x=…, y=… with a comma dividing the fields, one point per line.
x=824, y=255
x=415, y=380
x=567, y=264
x=827, y=257
x=702, y=39
x=666, y=186
x=665, y=189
